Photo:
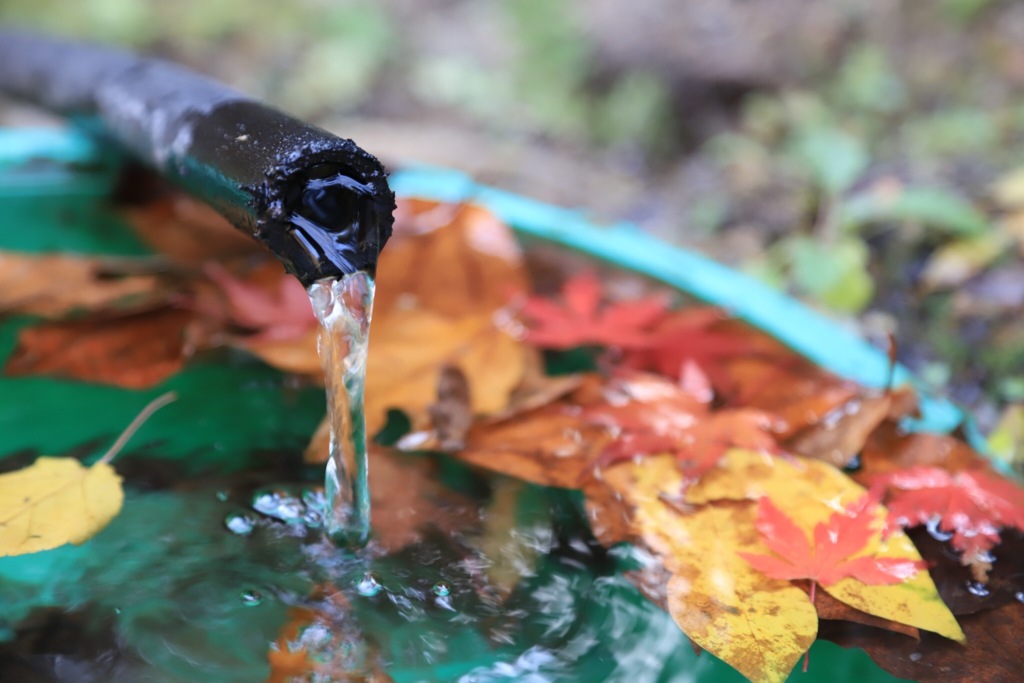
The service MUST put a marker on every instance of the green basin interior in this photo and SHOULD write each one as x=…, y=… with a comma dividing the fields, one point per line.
x=166, y=593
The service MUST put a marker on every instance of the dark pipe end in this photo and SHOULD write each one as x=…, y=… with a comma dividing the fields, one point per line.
x=326, y=218
x=319, y=202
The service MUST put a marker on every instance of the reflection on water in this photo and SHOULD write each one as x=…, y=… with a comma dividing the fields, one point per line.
x=189, y=585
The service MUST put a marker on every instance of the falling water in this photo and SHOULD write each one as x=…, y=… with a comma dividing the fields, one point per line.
x=344, y=307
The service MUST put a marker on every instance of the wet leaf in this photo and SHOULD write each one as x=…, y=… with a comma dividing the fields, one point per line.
x=56, y=501
x=993, y=653
x=696, y=336
x=451, y=415
x=409, y=349
x=972, y=505
x=52, y=285
x=836, y=553
x=651, y=415
x=804, y=490
x=580, y=319
x=452, y=259
x=134, y=351
x=760, y=626
x=840, y=435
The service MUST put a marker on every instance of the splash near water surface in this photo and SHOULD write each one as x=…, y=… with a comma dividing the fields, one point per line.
x=344, y=308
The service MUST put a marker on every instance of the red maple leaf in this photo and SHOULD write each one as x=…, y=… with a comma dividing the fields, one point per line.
x=829, y=559
x=581, y=320
x=284, y=314
x=652, y=415
x=972, y=505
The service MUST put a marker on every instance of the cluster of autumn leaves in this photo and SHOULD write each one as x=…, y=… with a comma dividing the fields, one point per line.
x=772, y=496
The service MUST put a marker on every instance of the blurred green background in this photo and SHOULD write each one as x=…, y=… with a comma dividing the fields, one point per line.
x=867, y=157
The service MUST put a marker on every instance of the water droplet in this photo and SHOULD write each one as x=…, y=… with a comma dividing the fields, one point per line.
x=251, y=598
x=314, y=499
x=312, y=519
x=240, y=524
x=915, y=656
x=369, y=585
x=279, y=505
x=223, y=496
x=977, y=588
x=442, y=589
x=932, y=525
x=1019, y=595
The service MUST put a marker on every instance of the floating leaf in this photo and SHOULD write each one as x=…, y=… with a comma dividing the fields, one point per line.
x=760, y=626
x=972, y=505
x=801, y=489
x=56, y=501
x=837, y=552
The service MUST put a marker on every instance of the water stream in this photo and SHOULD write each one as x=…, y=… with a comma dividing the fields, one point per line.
x=344, y=308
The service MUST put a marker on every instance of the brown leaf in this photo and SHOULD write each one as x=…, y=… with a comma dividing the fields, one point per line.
x=451, y=415
x=189, y=232
x=841, y=435
x=133, y=351
x=453, y=259
x=888, y=449
x=408, y=348
x=993, y=653
x=53, y=285
x=549, y=446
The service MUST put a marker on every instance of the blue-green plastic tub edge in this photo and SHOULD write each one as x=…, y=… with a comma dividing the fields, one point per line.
x=808, y=332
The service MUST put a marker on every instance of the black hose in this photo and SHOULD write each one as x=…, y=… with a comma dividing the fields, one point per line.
x=319, y=202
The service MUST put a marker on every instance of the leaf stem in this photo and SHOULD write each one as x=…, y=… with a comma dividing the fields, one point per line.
x=814, y=593
x=140, y=419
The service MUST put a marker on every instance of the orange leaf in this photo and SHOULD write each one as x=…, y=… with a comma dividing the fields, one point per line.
x=133, y=351
x=831, y=557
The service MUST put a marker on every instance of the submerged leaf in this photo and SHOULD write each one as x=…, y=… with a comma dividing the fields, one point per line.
x=56, y=501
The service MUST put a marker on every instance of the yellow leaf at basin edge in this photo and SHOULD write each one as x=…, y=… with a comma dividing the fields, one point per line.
x=808, y=491
x=56, y=501
x=758, y=625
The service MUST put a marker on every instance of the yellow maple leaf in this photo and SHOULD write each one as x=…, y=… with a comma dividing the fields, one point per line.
x=55, y=501
x=808, y=491
x=758, y=625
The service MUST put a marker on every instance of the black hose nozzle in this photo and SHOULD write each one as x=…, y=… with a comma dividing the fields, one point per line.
x=317, y=201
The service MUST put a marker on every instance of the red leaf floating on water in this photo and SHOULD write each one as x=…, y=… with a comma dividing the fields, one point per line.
x=653, y=415
x=971, y=504
x=285, y=314
x=581, y=320
x=829, y=560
